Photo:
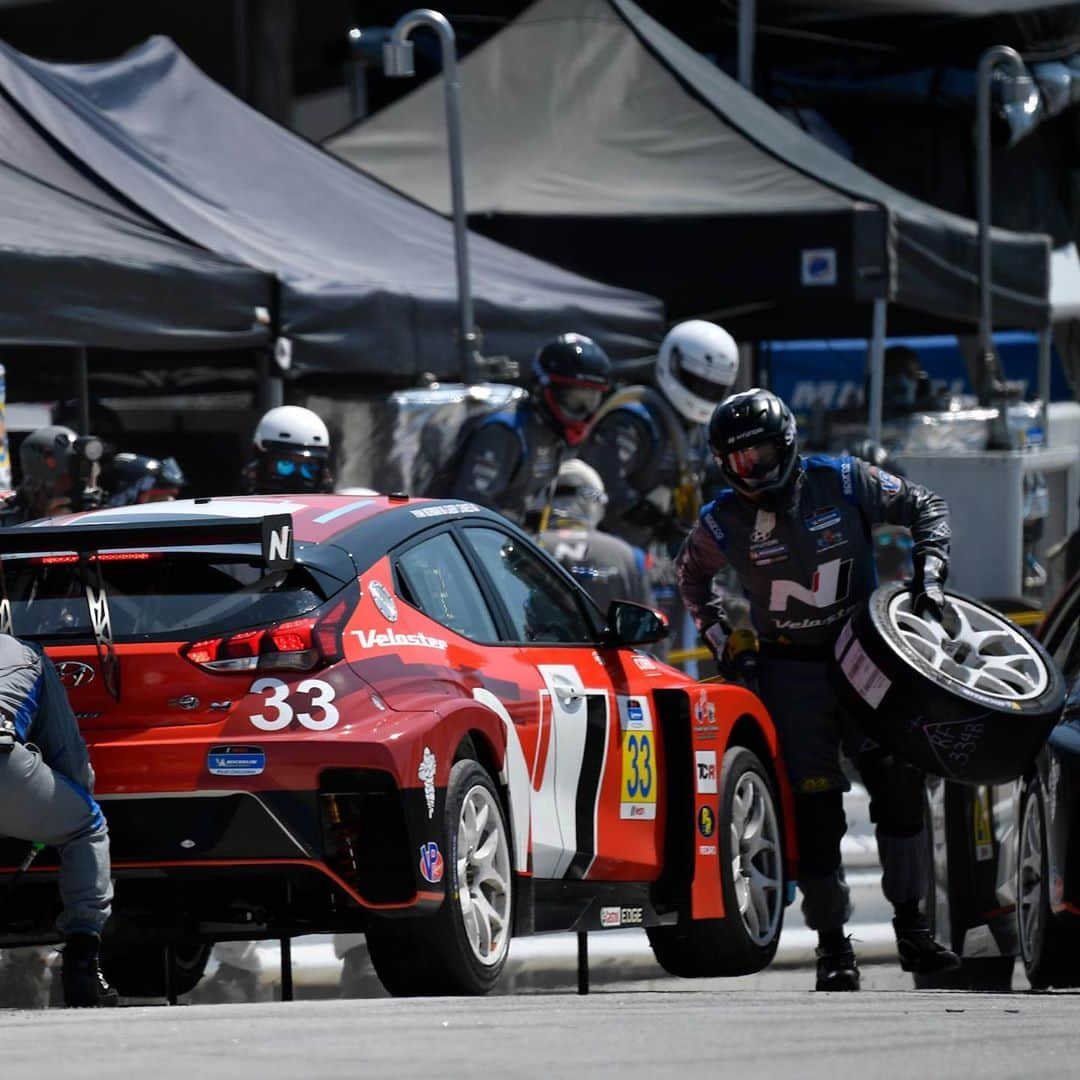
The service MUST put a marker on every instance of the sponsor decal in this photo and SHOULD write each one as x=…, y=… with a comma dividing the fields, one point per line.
x=706, y=821
x=370, y=639
x=445, y=511
x=766, y=554
x=830, y=585
x=715, y=528
x=846, y=481
x=824, y=517
x=889, y=484
x=383, y=600
x=764, y=524
x=842, y=641
x=610, y=917
x=706, y=849
x=818, y=267
x=236, y=760
x=431, y=862
x=426, y=774
x=87, y=715
x=830, y=538
x=635, y=716
x=705, y=762
x=645, y=663
x=632, y=916
x=745, y=434
x=813, y=623
x=941, y=531
x=705, y=710
x=75, y=673
x=866, y=678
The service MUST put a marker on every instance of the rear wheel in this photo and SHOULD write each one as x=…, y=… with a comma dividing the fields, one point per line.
x=462, y=948
x=751, y=867
x=1048, y=947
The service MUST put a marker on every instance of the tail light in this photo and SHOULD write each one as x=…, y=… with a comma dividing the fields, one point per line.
x=296, y=645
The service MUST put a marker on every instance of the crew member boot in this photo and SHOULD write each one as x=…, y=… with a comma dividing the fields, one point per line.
x=837, y=969
x=919, y=952
x=84, y=984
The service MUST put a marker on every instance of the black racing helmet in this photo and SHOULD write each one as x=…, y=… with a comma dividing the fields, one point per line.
x=133, y=479
x=753, y=438
x=574, y=376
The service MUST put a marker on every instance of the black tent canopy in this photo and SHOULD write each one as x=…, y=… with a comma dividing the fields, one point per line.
x=367, y=281
x=629, y=157
x=76, y=274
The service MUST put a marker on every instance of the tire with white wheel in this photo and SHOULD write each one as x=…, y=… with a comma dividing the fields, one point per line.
x=971, y=698
x=462, y=948
x=1050, y=952
x=750, y=853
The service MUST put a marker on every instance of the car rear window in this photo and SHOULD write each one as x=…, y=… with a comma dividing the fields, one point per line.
x=160, y=595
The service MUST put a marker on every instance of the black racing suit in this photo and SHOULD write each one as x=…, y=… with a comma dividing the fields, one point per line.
x=508, y=462
x=606, y=567
x=805, y=568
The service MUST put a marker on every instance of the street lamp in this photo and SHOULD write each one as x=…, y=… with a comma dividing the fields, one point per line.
x=1022, y=107
x=398, y=62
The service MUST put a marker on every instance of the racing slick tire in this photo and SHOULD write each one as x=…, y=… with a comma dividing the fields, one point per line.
x=1049, y=947
x=462, y=948
x=751, y=867
x=137, y=971
x=971, y=698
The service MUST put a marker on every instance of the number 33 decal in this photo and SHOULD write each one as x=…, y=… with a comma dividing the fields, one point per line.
x=277, y=701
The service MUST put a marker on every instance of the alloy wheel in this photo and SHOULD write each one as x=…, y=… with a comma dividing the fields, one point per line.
x=483, y=875
x=756, y=869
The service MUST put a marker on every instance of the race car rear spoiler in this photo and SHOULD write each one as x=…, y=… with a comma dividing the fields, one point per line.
x=273, y=534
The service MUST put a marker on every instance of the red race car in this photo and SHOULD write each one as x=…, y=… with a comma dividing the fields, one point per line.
x=395, y=716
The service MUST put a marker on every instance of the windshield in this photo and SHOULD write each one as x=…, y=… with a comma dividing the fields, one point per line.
x=159, y=596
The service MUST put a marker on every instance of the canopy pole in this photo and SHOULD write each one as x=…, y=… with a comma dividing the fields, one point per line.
x=398, y=61
x=1044, y=379
x=747, y=29
x=82, y=389
x=877, y=371
x=989, y=368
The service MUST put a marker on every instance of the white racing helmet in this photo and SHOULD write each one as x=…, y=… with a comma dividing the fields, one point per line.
x=696, y=368
x=579, y=493
x=292, y=453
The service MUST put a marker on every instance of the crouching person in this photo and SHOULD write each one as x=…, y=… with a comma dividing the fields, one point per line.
x=46, y=785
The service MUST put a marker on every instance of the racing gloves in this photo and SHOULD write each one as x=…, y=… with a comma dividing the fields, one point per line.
x=928, y=586
x=736, y=652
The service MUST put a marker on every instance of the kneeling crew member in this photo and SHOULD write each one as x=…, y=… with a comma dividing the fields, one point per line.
x=797, y=532
x=46, y=785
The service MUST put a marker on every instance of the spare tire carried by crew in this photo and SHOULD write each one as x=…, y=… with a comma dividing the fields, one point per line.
x=971, y=698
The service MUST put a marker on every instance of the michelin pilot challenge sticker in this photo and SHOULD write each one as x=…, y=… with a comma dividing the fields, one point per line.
x=426, y=774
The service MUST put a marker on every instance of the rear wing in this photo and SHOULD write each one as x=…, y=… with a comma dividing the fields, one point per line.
x=274, y=534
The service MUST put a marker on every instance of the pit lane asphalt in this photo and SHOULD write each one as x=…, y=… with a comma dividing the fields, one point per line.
x=704, y=1029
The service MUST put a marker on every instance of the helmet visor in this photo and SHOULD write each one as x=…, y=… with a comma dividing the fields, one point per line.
x=287, y=468
x=755, y=464
x=697, y=384
x=577, y=402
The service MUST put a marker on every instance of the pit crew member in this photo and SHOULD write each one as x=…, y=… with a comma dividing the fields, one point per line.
x=797, y=532
x=46, y=785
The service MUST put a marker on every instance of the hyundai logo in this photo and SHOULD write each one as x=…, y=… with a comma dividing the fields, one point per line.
x=75, y=673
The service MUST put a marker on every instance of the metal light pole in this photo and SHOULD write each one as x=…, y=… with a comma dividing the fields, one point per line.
x=747, y=28
x=398, y=62
x=990, y=372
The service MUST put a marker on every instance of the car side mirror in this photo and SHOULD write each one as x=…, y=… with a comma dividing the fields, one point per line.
x=634, y=624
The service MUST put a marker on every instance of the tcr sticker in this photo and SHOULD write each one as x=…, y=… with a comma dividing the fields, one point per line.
x=705, y=762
